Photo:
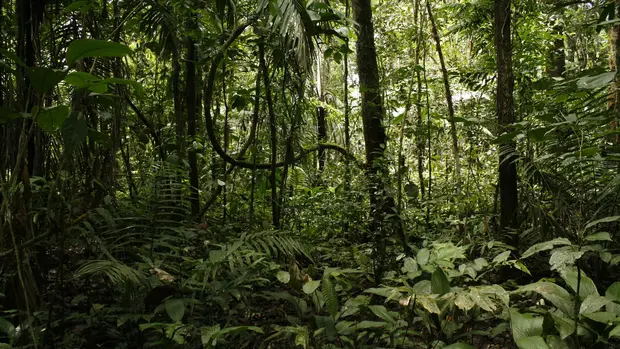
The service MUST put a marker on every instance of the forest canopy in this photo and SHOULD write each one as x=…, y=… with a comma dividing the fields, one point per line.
x=313, y=174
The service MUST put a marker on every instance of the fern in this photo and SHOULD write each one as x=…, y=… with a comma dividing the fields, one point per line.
x=330, y=296
x=118, y=273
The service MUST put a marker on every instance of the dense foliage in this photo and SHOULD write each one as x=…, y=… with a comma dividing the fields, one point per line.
x=316, y=174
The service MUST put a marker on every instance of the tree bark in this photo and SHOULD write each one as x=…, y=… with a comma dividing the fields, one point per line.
x=190, y=90
x=505, y=117
x=614, y=62
x=384, y=219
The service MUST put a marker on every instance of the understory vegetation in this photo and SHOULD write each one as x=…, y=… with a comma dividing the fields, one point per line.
x=312, y=174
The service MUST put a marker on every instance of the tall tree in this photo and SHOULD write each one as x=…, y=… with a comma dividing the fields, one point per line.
x=505, y=116
x=190, y=90
x=446, y=83
x=384, y=220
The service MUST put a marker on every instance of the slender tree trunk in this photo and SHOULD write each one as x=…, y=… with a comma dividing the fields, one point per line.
x=190, y=98
x=446, y=83
x=275, y=211
x=384, y=220
x=505, y=117
x=419, y=135
x=347, y=122
x=176, y=96
x=614, y=62
x=558, y=54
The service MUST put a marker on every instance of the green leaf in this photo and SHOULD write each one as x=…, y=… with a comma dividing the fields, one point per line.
x=613, y=292
x=525, y=325
x=565, y=326
x=586, y=287
x=463, y=301
x=206, y=334
x=51, y=119
x=557, y=295
x=502, y=257
x=330, y=296
x=543, y=246
x=596, y=81
x=439, y=282
x=7, y=115
x=82, y=48
x=311, y=286
x=604, y=317
x=136, y=85
x=593, y=303
x=423, y=256
x=44, y=79
x=534, y=342
x=602, y=220
x=175, y=308
x=563, y=257
x=362, y=325
x=81, y=79
x=283, y=276
x=382, y=312
x=12, y=56
x=602, y=236
x=74, y=131
x=615, y=332
x=459, y=346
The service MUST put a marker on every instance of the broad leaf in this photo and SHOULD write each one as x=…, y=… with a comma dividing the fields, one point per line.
x=207, y=333
x=311, y=286
x=615, y=332
x=423, y=256
x=382, y=312
x=525, y=325
x=51, y=119
x=283, y=276
x=557, y=295
x=593, y=303
x=44, y=79
x=602, y=236
x=175, y=308
x=439, y=282
x=601, y=316
x=596, y=81
x=543, y=246
x=586, y=285
x=82, y=48
x=565, y=326
x=533, y=342
x=602, y=220
x=613, y=292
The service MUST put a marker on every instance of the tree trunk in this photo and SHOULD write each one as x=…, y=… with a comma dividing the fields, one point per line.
x=275, y=211
x=505, y=117
x=446, y=83
x=614, y=63
x=419, y=135
x=190, y=90
x=384, y=220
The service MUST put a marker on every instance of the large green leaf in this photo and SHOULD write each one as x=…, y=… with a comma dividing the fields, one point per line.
x=557, y=295
x=586, y=285
x=615, y=332
x=439, y=282
x=613, y=292
x=602, y=220
x=44, y=79
x=175, y=308
x=51, y=119
x=207, y=333
x=593, y=303
x=82, y=48
x=543, y=246
x=602, y=236
x=525, y=325
x=604, y=317
x=382, y=312
x=596, y=81
x=565, y=326
x=533, y=342
x=311, y=286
